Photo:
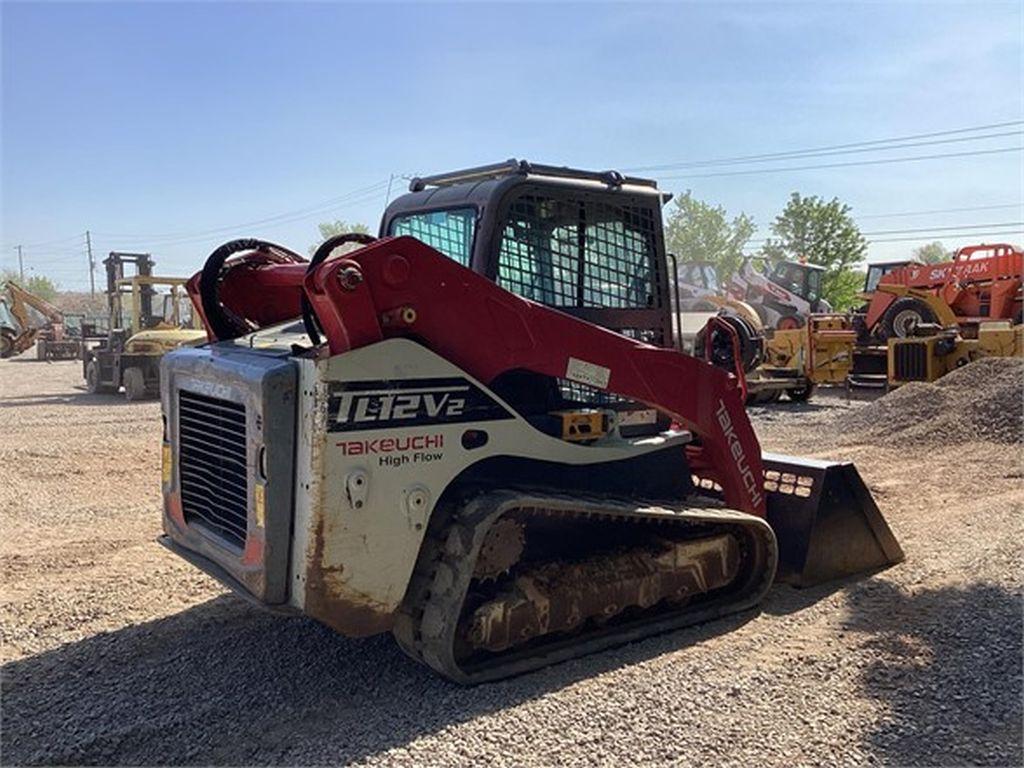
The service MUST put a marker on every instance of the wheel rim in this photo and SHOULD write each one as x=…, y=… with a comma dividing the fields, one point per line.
x=904, y=322
x=788, y=324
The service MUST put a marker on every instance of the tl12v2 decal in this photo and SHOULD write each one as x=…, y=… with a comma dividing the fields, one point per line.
x=387, y=404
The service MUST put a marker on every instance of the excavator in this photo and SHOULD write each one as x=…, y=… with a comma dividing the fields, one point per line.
x=27, y=319
x=474, y=432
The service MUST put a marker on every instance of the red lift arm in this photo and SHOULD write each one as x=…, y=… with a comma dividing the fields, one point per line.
x=401, y=287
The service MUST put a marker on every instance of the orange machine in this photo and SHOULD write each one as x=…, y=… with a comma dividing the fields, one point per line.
x=981, y=283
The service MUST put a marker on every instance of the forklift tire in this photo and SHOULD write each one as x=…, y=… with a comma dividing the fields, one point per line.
x=801, y=394
x=134, y=384
x=765, y=397
x=92, y=380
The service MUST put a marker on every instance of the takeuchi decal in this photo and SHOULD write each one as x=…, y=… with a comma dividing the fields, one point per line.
x=750, y=482
x=391, y=444
x=391, y=403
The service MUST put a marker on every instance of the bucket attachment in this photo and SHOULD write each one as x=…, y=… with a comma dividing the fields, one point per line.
x=826, y=522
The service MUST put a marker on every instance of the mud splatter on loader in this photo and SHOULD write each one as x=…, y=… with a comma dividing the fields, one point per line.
x=475, y=432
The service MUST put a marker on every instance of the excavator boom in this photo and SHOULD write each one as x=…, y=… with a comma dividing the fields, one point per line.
x=17, y=340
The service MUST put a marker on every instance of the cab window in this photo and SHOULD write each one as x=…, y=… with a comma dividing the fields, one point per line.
x=576, y=253
x=874, y=275
x=813, y=285
x=450, y=232
x=710, y=277
x=791, y=277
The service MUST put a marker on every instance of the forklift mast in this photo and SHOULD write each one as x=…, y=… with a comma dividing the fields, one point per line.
x=115, y=264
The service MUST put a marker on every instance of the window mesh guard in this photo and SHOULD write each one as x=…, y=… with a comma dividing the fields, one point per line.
x=587, y=255
x=566, y=253
x=450, y=232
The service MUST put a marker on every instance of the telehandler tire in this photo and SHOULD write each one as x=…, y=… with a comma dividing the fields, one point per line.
x=903, y=315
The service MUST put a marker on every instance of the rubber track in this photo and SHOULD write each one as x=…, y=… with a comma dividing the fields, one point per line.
x=427, y=622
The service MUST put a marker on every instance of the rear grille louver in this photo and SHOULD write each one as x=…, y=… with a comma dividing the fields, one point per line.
x=911, y=361
x=212, y=450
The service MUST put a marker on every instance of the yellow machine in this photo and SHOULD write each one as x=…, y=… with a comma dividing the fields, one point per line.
x=29, y=320
x=797, y=360
x=927, y=358
x=140, y=333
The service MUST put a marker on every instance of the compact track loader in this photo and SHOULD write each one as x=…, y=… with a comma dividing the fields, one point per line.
x=473, y=432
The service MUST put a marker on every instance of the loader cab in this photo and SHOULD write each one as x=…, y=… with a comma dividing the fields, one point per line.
x=800, y=279
x=589, y=244
x=880, y=269
x=698, y=278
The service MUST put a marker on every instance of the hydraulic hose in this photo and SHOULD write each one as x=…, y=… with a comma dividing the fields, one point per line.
x=224, y=323
x=326, y=248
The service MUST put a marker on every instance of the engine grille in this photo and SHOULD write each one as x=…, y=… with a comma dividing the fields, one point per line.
x=212, y=465
x=910, y=361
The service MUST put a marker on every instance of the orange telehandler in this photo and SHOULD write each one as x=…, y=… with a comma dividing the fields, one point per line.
x=982, y=283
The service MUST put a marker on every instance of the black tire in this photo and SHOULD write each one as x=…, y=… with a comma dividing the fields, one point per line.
x=902, y=316
x=92, y=380
x=801, y=394
x=765, y=397
x=134, y=384
x=722, y=353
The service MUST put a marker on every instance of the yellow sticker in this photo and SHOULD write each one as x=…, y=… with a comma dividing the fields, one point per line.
x=167, y=464
x=259, y=501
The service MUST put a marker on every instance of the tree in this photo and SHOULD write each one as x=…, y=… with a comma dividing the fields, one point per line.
x=823, y=233
x=933, y=253
x=337, y=227
x=42, y=286
x=697, y=231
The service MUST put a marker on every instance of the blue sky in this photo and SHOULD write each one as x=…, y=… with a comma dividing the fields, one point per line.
x=153, y=124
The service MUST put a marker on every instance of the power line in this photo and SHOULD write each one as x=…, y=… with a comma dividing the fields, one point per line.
x=906, y=145
x=915, y=158
x=1019, y=206
x=282, y=218
x=974, y=235
x=945, y=229
x=232, y=231
x=45, y=242
x=928, y=230
x=790, y=154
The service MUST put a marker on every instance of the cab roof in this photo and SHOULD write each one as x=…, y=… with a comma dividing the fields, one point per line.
x=478, y=185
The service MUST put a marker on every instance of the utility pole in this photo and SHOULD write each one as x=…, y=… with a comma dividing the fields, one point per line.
x=387, y=198
x=21, y=265
x=92, y=264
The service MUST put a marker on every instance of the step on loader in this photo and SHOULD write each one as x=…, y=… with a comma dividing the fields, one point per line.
x=473, y=432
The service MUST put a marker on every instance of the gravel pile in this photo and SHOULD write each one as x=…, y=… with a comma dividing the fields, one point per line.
x=979, y=402
x=116, y=652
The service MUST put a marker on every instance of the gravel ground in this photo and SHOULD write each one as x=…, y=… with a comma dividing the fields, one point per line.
x=115, y=652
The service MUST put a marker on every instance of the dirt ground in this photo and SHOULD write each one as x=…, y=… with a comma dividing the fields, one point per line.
x=116, y=652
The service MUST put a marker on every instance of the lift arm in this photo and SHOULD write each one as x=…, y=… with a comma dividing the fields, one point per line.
x=401, y=287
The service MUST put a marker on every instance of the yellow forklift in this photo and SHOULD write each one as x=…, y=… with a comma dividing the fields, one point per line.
x=149, y=316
